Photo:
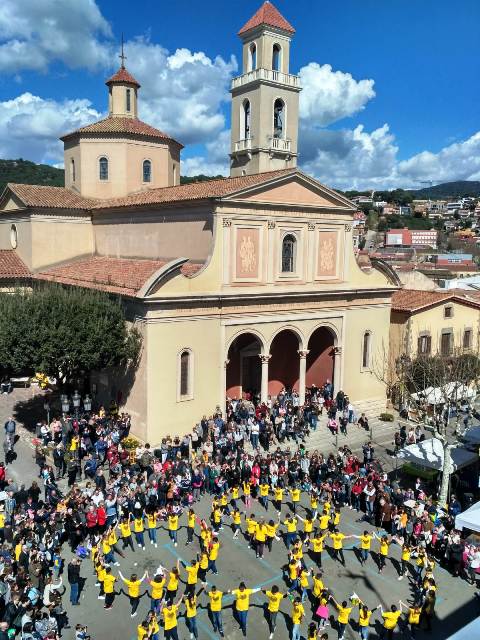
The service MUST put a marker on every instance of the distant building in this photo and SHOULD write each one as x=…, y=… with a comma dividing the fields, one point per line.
x=411, y=238
x=453, y=258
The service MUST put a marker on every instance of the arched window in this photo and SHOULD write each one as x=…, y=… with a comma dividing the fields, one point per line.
x=103, y=168
x=185, y=382
x=147, y=171
x=252, y=57
x=246, y=120
x=278, y=118
x=367, y=336
x=276, y=57
x=72, y=169
x=288, y=254
x=128, y=100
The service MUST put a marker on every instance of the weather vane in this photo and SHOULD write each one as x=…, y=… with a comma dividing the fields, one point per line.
x=122, y=56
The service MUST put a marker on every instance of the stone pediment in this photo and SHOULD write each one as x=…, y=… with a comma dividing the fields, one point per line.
x=297, y=190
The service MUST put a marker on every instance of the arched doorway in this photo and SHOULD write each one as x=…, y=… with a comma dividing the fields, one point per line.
x=321, y=357
x=244, y=367
x=283, y=367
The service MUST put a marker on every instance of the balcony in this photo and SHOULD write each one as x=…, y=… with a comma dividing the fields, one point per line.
x=280, y=144
x=266, y=74
x=243, y=145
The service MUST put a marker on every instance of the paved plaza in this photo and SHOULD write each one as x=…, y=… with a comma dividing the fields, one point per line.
x=456, y=602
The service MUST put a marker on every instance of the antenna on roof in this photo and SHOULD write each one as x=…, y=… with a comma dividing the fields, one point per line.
x=122, y=56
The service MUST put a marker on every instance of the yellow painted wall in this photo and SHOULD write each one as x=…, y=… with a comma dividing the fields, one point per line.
x=166, y=340
x=57, y=240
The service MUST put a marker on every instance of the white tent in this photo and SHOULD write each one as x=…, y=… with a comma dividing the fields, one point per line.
x=455, y=391
x=469, y=519
x=429, y=453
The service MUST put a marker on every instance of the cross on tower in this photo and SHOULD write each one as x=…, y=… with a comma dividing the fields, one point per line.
x=122, y=56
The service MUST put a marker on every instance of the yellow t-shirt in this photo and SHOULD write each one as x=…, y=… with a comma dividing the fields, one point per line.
x=344, y=614
x=295, y=493
x=172, y=581
x=271, y=530
x=292, y=571
x=406, y=554
x=261, y=532
x=279, y=494
x=112, y=537
x=317, y=586
x=251, y=525
x=242, y=601
x=384, y=548
x=142, y=633
x=317, y=543
x=264, y=489
x=274, y=600
x=235, y=493
x=204, y=561
x=192, y=572
x=308, y=526
x=364, y=618
x=297, y=613
x=106, y=548
x=304, y=578
x=125, y=529
x=291, y=525
x=236, y=517
x=323, y=521
x=170, y=617
x=191, y=520
x=215, y=600
x=213, y=555
x=390, y=619
x=173, y=523
x=157, y=589
x=191, y=605
x=337, y=540
x=152, y=520
x=246, y=488
x=366, y=541
x=133, y=587
x=414, y=616
x=108, y=583
x=138, y=525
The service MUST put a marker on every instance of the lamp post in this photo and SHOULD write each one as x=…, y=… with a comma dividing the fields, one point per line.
x=87, y=403
x=65, y=403
x=46, y=406
x=76, y=399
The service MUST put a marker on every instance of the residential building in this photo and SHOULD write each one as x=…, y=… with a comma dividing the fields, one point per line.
x=411, y=238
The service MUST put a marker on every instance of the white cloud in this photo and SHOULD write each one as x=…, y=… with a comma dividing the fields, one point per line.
x=215, y=162
x=182, y=93
x=35, y=33
x=30, y=126
x=328, y=96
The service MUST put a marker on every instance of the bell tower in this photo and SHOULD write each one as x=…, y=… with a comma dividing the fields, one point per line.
x=264, y=128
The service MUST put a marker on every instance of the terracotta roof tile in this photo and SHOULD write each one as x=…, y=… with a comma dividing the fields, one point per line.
x=12, y=266
x=118, y=124
x=193, y=191
x=123, y=75
x=61, y=198
x=124, y=276
x=415, y=299
x=269, y=15
x=33, y=195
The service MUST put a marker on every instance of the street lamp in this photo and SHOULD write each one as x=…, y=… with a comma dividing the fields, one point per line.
x=87, y=403
x=76, y=399
x=46, y=406
x=65, y=403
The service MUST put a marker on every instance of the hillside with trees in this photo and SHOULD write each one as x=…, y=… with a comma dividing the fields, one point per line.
x=27, y=172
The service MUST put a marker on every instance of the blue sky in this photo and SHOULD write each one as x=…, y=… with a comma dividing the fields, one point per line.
x=398, y=102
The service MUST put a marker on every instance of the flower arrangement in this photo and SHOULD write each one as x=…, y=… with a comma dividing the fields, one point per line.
x=130, y=443
x=42, y=380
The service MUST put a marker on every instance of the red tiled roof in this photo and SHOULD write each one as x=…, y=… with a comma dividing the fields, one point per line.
x=33, y=195
x=122, y=75
x=12, y=266
x=124, y=276
x=193, y=191
x=415, y=299
x=118, y=124
x=269, y=15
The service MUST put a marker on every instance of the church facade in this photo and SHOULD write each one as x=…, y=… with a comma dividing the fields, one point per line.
x=242, y=284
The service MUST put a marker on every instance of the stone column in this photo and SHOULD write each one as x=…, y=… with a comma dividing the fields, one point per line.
x=302, y=375
x=337, y=384
x=264, y=388
x=224, y=390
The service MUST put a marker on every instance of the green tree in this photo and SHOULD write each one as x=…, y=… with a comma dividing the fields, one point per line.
x=62, y=332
